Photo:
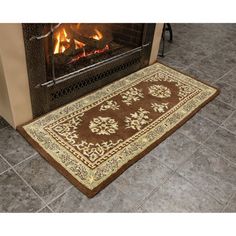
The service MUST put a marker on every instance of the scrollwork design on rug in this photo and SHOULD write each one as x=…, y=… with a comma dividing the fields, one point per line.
x=94, y=151
x=68, y=130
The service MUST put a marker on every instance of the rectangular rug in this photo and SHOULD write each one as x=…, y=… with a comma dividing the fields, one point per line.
x=92, y=140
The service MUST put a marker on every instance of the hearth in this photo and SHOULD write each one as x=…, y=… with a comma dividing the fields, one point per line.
x=66, y=61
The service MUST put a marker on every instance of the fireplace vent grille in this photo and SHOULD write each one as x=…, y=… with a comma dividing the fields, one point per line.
x=73, y=89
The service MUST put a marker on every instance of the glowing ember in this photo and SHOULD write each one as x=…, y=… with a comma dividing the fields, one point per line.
x=86, y=54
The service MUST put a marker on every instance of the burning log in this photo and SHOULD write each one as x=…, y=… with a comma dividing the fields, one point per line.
x=68, y=55
x=91, y=42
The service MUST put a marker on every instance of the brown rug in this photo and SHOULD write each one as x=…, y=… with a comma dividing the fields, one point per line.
x=92, y=140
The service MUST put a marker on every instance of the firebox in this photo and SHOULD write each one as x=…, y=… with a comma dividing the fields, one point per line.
x=66, y=61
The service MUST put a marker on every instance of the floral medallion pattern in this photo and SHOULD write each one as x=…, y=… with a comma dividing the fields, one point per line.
x=103, y=125
x=184, y=90
x=161, y=108
x=91, y=146
x=137, y=119
x=159, y=91
x=132, y=95
x=113, y=105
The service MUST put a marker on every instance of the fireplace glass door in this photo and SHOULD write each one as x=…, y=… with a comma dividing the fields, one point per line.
x=75, y=47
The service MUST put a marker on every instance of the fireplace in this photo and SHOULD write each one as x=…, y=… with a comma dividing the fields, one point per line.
x=66, y=61
x=31, y=86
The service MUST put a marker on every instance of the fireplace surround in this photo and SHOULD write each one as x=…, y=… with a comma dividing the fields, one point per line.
x=124, y=48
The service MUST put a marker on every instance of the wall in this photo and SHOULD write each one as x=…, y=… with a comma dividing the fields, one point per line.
x=15, y=105
x=156, y=43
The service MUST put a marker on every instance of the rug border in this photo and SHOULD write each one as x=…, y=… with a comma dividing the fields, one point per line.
x=91, y=193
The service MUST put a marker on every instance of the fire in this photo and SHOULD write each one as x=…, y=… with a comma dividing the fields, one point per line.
x=98, y=35
x=63, y=40
x=85, y=54
x=78, y=44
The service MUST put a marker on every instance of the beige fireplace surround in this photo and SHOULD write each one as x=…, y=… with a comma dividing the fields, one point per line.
x=15, y=104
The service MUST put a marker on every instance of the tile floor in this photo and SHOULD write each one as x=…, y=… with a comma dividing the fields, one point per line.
x=194, y=170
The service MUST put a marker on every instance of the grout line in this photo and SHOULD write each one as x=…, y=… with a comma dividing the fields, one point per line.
x=183, y=162
x=223, y=123
x=228, y=83
x=12, y=167
x=204, y=144
x=221, y=77
x=212, y=150
x=219, y=125
x=234, y=107
x=196, y=187
x=26, y=159
x=228, y=202
x=31, y=188
x=208, y=135
x=9, y=168
x=149, y=195
x=38, y=211
x=29, y=185
x=58, y=197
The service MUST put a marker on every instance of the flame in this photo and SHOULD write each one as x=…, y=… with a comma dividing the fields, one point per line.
x=57, y=45
x=63, y=40
x=78, y=44
x=98, y=35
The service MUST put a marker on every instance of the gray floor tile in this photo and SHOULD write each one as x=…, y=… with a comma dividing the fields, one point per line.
x=108, y=200
x=181, y=56
x=43, y=178
x=223, y=142
x=175, y=150
x=169, y=47
x=3, y=165
x=198, y=128
x=13, y=147
x=216, y=111
x=228, y=54
x=211, y=173
x=230, y=123
x=231, y=206
x=142, y=178
x=230, y=78
x=200, y=75
x=16, y=196
x=45, y=210
x=172, y=63
x=139, y=210
x=213, y=66
x=227, y=93
x=3, y=123
x=178, y=195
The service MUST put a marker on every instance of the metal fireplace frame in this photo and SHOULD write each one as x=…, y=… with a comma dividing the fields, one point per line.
x=48, y=95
